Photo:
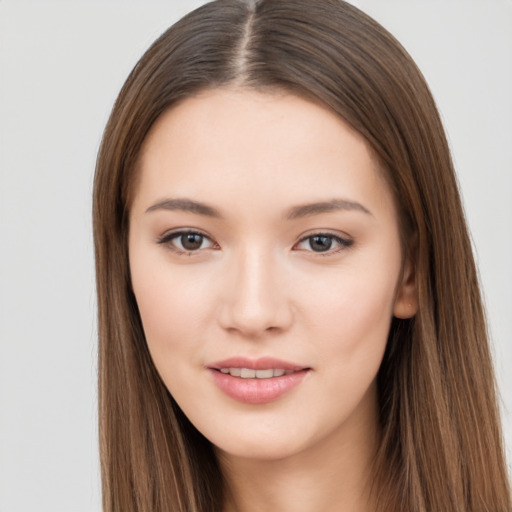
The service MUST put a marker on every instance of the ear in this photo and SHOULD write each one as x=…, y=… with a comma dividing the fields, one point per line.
x=406, y=299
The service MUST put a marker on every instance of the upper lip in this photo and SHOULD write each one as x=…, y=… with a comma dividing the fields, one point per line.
x=262, y=363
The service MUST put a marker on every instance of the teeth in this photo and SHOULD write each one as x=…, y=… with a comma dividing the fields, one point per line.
x=247, y=373
x=264, y=374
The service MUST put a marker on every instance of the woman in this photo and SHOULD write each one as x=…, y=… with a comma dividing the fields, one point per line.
x=289, y=314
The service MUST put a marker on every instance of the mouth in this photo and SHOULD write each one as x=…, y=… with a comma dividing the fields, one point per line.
x=262, y=364
x=257, y=381
x=249, y=373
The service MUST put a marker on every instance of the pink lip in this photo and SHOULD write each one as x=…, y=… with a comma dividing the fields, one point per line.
x=256, y=391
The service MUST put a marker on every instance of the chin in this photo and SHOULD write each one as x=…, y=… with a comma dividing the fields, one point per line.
x=266, y=449
x=276, y=440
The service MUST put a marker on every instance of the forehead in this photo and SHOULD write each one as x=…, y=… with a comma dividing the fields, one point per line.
x=234, y=145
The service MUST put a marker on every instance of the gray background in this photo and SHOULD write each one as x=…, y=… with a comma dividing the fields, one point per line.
x=61, y=66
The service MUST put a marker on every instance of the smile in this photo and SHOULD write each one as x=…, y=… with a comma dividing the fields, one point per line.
x=249, y=373
x=257, y=381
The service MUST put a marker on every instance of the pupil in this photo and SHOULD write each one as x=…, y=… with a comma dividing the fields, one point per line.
x=191, y=241
x=320, y=243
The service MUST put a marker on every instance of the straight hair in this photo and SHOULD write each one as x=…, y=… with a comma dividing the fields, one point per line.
x=441, y=448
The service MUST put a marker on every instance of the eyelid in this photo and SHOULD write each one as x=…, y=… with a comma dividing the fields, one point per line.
x=167, y=238
x=344, y=242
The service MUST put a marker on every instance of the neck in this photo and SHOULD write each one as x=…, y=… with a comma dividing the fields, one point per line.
x=333, y=475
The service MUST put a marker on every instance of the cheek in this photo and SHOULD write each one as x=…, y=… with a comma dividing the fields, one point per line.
x=173, y=304
x=349, y=327
x=169, y=302
x=350, y=318
x=174, y=316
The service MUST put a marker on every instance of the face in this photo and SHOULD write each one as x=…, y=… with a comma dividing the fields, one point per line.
x=266, y=262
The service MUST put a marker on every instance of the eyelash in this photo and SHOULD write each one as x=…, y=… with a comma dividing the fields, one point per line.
x=344, y=243
x=166, y=239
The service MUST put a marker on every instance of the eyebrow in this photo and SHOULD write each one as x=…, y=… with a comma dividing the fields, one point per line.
x=305, y=210
x=296, y=212
x=186, y=205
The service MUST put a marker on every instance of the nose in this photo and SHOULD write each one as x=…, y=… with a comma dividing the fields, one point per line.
x=256, y=299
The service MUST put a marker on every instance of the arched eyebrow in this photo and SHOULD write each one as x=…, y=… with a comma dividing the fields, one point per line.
x=305, y=210
x=186, y=205
x=296, y=212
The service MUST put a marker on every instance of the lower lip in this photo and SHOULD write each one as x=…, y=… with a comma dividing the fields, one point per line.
x=257, y=391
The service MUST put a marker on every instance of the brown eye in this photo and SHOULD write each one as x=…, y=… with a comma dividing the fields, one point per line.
x=186, y=241
x=191, y=241
x=324, y=243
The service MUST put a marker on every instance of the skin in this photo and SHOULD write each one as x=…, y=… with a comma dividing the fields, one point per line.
x=258, y=286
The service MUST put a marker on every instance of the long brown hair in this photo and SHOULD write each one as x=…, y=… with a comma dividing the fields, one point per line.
x=441, y=447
